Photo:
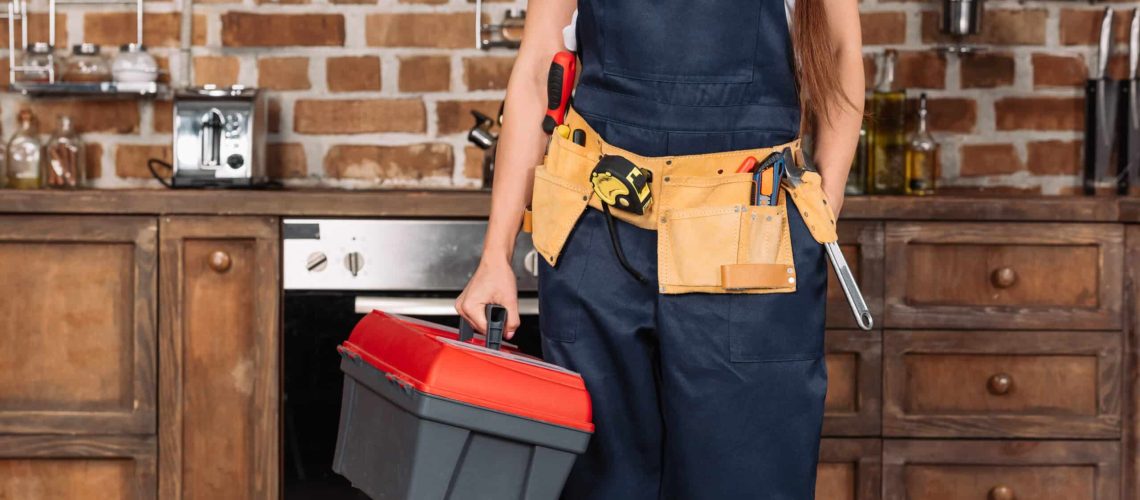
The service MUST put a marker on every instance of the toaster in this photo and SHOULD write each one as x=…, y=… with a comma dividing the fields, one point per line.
x=219, y=137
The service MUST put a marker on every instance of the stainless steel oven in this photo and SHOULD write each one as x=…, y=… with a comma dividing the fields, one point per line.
x=337, y=270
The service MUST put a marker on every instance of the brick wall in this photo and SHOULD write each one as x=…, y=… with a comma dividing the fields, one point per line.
x=377, y=93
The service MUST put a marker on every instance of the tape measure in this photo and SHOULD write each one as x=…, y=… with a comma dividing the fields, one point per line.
x=621, y=184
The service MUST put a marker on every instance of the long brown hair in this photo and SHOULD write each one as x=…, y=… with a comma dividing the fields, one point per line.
x=817, y=73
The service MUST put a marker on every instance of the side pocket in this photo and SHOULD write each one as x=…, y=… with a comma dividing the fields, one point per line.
x=812, y=204
x=556, y=205
x=764, y=257
x=694, y=243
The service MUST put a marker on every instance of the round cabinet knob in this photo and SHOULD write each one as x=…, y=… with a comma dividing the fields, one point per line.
x=317, y=262
x=354, y=262
x=1004, y=277
x=1000, y=384
x=1001, y=492
x=530, y=262
x=220, y=261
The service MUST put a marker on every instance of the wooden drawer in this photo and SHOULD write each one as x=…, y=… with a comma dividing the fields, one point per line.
x=1001, y=470
x=95, y=468
x=1007, y=276
x=1002, y=384
x=849, y=469
x=77, y=324
x=862, y=245
x=854, y=383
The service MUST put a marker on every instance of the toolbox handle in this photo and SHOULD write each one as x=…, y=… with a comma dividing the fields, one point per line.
x=496, y=324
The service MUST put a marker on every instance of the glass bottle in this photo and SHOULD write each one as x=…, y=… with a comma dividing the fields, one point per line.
x=66, y=165
x=24, y=157
x=39, y=63
x=921, y=156
x=857, y=177
x=887, y=172
x=87, y=65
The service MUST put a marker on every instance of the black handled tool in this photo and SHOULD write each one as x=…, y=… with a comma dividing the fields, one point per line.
x=496, y=325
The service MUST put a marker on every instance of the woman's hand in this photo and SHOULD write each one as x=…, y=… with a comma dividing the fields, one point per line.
x=493, y=283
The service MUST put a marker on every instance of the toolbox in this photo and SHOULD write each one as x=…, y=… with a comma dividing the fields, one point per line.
x=431, y=412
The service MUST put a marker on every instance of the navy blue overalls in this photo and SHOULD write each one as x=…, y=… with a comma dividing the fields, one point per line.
x=696, y=396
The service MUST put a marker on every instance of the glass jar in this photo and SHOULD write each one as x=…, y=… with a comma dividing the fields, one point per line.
x=66, y=163
x=134, y=64
x=39, y=64
x=87, y=65
x=24, y=156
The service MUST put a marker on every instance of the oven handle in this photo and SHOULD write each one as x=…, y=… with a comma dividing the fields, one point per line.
x=426, y=306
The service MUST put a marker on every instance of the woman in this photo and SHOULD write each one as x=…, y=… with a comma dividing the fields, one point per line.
x=695, y=395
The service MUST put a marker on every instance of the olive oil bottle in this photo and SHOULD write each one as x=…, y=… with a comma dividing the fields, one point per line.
x=887, y=172
x=921, y=157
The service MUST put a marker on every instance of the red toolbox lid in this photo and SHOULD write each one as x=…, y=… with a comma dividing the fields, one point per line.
x=431, y=359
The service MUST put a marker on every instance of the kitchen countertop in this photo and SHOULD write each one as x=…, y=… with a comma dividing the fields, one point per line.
x=473, y=203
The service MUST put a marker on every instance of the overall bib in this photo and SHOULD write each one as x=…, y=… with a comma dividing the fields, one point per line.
x=695, y=395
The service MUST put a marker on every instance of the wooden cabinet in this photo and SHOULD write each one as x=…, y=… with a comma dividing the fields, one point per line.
x=862, y=245
x=1003, y=276
x=77, y=325
x=1002, y=384
x=220, y=378
x=77, y=467
x=849, y=469
x=1001, y=470
x=854, y=383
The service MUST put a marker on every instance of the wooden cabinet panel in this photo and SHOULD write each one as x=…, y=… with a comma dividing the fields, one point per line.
x=862, y=245
x=220, y=345
x=971, y=470
x=849, y=469
x=854, y=383
x=77, y=323
x=95, y=468
x=1008, y=276
x=1002, y=384
x=1131, y=388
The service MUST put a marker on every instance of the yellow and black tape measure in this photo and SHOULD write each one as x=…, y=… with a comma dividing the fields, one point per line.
x=621, y=184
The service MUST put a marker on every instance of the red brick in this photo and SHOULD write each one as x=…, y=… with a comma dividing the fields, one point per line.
x=273, y=103
x=163, y=116
x=455, y=116
x=1039, y=113
x=473, y=163
x=920, y=69
x=1019, y=26
x=487, y=73
x=448, y=31
x=245, y=29
x=987, y=70
x=988, y=159
x=428, y=2
x=359, y=116
x=1055, y=157
x=1082, y=26
x=217, y=70
x=93, y=155
x=286, y=161
x=111, y=116
x=425, y=74
x=883, y=28
x=353, y=73
x=283, y=73
x=131, y=160
x=38, y=31
x=415, y=161
x=160, y=29
x=948, y=114
x=1059, y=71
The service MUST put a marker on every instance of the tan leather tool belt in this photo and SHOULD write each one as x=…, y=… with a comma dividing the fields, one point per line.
x=711, y=238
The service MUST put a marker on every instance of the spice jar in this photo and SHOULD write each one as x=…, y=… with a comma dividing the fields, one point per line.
x=66, y=166
x=24, y=158
x=134, y=64
x=39, y=64
x=87, y=65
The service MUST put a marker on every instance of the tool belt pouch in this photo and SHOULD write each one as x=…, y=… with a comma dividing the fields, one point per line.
x=558, y=200
x=812, y=204
x=711, y=240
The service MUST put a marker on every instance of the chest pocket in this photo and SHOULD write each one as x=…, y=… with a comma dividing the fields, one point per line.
x=682, y=41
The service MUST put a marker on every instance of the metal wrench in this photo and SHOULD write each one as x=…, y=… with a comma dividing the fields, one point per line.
x=794, y=173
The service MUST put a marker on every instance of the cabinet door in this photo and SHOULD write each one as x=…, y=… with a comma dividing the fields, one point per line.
x=862, y=246
x=77, y=467
x=1004, y=276
x=854, y=383
x=77, y=325
x=849, y=469
x=219, y=342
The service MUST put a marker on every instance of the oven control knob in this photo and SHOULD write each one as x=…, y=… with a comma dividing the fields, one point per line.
x=317, y=262
x=530, y=262
x=235, y=161
x=354, y=262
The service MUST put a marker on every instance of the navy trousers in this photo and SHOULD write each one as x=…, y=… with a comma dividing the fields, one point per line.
x=695, y=396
